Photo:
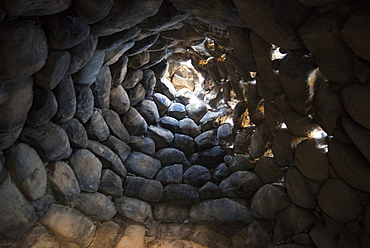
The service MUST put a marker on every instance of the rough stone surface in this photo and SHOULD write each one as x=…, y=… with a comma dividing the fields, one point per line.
x=282, y=147
x=66, y=98
x=268, y=170
x=119, y=100
x=27, y=170
x=170, y=174
x=39, y=237
x=17, y=213
x=44, y=107
x=241, y=163
x=88, y=74
x=134, y=209
x=170, y=213
x=96, y=127
x=134, y=237
x=92, y=12
x=241, y=184
x=161, y=136
x=18, y=60
x=96, y=205
x=162, y=101
x=84, y=103
x=196, y=110
x=142, y=165
x=170, y=156
x=182, y=194
x=336, y=192
x=50, y=140
x=105, y=235
x=169, y=123
x=148, y=111
x=197, y=175
x=36, y=8
x=221, y=211
x=82, y=53
x=189, y=127
x=176, y=110
x=76, y=133
x=87, y=168
x=110, y=184
x=134, y=122
x=101, y=88
x=147, y=190
x=142, y=144
x=69, y=224
x=108, y=158
x=119, y=147
x=115, y=125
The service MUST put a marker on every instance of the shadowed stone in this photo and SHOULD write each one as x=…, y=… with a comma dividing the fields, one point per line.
x=93, y=12
x=220, y=212
x=148, y=111
x=206, y=140
x=268, y=170
x=69, y=224
x=101, y=89
x=96, y=127
x=184, y=143
x=119, y=100
x=170, y=156
x=16, y=213
x=170, y=174
x=110, y=184
x=14, y=109
x=142, y=144
x=119, y=70
x=241, y=163
x=88, y=74
x=85, y=103
x=134, y=122
x=133, y=76
x=36, y=8
x=147, y=190
x=66, y=98
x=17, y=60
x=82, y=53
x=197, y=175
x=162, y=102
x=115, y=125
x=169, y=123
x=38, y=237
x=182, y=194
x=118, y=146
x=27, y=170
x=170, y=213
x=136, y=94
x=111, y=42
x=161, y=136
x=241, y=184
x=105, y=235
x=44, y=107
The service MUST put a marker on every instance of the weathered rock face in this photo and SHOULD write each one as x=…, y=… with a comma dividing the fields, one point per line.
x=121, y=114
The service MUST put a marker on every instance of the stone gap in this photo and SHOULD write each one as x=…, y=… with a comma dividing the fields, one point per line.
x=121, y=125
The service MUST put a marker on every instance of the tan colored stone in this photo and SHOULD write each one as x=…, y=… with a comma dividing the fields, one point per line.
x=133, y=237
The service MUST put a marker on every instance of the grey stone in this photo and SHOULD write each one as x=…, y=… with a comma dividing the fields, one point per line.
x=220, y=212
x=69, y=224
x=241, y=162
x=148, y=111
x=111, y=42
x=169, y=123
x=225, y=134
x=209, y=191
x=124, y=16
x=18, y=61
x=65, y=31
x=42, y=204
x=206, y=140
x=136, y=94
x=118, y=146
x=38, y=236
x=76, y=133
x=95, y=205
x=119, y=101
x=161, y=136
x=350, y=165
x=44, y=107
x=148, y=82
x=133, y=76
x=164, y=86
x=84, y=103
x=269, y=200
x=63, y=181
x=115, y=125
x=87, y=168
x=17, y=214
x=82, y=53
x=162, y=101
x=197, y=175
x=96, y=127
x=134, y=122
x=66, y=98
x=101, y=89
x=177, y=110
x=287, y=224
x=196, y=110
x=184, y=143
x=54, y=69
x=208, y=120
x=119, y=70
x=138, y=60
x=189, y=127
x=113, y=55
x=241, y=184
x=134, y=209
x=170, y=213
x=16, y=100
x=257, y=234
x=27, y=170
x=142, y=165
x=142, y=144
x=92, y=12
x=50, y=141
x=268, y=170
x=142, y=44
x=88, y=74
x=221, y=172
x=110, y=184
x=36, y=8
x=170, y=174
x=212, y=157
x=322, y=236
x=336, y=192
x=144, y=189
x=181, y=194
x=108, y=158
x=170, y=156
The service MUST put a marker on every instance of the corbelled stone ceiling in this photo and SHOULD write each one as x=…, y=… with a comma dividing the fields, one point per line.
x=173, y=123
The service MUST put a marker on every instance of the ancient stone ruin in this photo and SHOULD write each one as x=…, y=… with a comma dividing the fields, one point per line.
x=185, y=123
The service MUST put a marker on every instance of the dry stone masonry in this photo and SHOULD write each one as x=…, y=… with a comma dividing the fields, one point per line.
x=173, y=123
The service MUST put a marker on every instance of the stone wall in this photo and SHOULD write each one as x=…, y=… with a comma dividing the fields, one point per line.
x=98, y=149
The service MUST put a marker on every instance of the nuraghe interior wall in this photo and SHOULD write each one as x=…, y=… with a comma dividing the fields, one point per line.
x=98, y=149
